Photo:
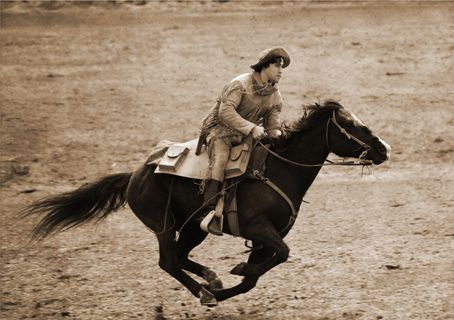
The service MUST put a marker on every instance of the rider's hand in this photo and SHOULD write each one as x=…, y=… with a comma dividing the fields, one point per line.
x=258, y=132
x=274, y=134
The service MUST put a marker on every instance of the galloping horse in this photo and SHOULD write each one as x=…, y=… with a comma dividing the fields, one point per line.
x=165, y=203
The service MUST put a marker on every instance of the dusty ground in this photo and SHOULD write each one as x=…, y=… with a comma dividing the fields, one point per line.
x=87, y=90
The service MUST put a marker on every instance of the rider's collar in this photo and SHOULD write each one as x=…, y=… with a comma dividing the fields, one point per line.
x=260, y=88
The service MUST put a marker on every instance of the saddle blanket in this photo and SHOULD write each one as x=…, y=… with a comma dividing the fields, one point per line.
x=179, y=159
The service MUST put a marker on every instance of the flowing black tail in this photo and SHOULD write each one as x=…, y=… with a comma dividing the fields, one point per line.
x=93, y=201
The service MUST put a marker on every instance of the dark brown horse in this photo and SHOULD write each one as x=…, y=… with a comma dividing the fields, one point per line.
x=165, y=203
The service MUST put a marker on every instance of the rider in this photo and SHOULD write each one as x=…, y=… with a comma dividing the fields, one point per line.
x=249, y=104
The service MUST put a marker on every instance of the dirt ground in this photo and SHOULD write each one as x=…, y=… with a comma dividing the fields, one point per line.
x=88, y=89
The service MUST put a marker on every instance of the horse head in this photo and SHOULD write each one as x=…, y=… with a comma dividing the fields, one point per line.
x=347, y=136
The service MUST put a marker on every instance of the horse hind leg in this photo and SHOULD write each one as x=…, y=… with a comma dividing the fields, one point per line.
x=148, y=198
x=190, y=238
x=168, y=261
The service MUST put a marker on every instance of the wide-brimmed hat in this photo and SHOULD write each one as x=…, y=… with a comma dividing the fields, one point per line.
x=269, y=54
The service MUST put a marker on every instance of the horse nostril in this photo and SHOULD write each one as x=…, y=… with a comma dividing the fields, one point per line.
x=382, y=149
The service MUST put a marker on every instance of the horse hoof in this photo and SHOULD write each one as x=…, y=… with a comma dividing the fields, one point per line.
x=207, y=298
x=215, y=284
x=212, y=279
x=239, y=269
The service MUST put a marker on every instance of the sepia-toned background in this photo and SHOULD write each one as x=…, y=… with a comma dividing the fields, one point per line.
x=88, y=88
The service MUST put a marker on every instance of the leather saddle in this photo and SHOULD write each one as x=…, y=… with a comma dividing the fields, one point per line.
x=180, y=159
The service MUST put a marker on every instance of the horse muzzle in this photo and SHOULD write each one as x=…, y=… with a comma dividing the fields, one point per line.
x=380, y=151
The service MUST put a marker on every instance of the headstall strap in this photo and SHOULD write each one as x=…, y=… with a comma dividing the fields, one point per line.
x=348, y=135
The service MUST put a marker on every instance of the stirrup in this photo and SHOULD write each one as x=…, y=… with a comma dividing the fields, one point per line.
x=212, y=223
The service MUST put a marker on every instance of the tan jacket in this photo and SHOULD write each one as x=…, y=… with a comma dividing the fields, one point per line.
x=243, y=104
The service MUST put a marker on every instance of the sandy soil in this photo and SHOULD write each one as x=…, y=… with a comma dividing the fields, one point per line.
x=87, y=90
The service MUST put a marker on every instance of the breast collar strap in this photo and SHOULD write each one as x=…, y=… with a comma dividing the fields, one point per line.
x=269, y=183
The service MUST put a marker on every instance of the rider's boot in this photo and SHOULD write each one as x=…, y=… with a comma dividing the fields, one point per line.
x=211, y=223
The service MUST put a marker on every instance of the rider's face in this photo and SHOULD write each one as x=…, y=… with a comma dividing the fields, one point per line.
x=274, y=71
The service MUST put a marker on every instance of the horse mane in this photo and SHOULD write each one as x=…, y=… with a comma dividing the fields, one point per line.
x=312, y=113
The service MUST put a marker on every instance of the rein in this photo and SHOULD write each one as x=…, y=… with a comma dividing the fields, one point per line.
x=360, y=162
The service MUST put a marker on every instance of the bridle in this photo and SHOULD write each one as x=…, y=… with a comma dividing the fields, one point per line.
x=362, y=161
x=349, y=136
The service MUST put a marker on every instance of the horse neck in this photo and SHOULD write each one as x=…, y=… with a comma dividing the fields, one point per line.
x=307, y=147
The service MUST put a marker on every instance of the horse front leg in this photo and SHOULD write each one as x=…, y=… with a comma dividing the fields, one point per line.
x=168, y=261
x=190, y=238
x=267, y=235
x=258, y=255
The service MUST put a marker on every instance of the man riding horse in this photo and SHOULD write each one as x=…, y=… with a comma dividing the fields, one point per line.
x=267, y=213
x=250, y=104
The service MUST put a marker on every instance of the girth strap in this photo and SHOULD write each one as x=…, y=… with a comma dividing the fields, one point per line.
x=269, y=183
